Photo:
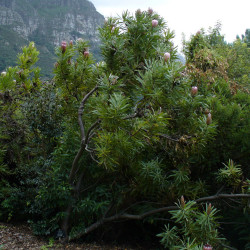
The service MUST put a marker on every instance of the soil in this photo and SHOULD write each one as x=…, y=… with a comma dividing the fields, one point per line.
x=20, y=237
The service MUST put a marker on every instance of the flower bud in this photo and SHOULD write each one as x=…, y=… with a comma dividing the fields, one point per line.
x=206, y=111
x=166, y=56
x=20, y=73
x=71, y=43
x=63, y=46
x=138, y=12
x=209, y=208
x=207, y=247
x=150, y=11
x=79, y=40
x=194, y=90
x=198, y=32
x=182, y=201
x=113, y=29
x=86, y=53
x=209, y=118
x=154, y=23
x=3, y=73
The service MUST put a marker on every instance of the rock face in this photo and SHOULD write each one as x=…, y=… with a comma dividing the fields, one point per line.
x=47, y=23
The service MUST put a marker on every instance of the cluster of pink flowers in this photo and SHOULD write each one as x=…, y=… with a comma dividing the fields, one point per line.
x=63, y=46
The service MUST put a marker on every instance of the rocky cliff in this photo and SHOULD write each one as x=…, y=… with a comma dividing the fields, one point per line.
x=47, y=23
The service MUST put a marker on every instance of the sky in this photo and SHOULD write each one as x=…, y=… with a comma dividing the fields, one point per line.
x=188, y=16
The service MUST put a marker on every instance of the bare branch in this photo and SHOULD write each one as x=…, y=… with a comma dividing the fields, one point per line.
x=154, y=211
x=80, y=111
x=131, y=116
x=84, y=139
x=121, y=216
x=74, y=164
x=93, y=158
x=90, y=129
x=228, y=247
x=221, y=196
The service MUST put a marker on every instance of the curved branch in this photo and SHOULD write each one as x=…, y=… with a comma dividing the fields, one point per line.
x=80, y=111
x=221, y=196
x=154, y=211
x=90, y=130
x=74, y=164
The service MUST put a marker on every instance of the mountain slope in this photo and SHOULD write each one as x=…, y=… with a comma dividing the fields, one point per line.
x=47, y=23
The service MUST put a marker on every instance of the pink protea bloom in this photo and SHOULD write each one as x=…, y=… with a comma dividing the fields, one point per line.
x=150, y=11
x=63, y=46
x=166, y=56
x=209, y=119
x=207, y=247
x=79, y=40
x=154, y=23
x=194, y=90
x=86, y=53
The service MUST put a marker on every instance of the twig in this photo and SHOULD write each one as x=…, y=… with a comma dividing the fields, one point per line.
x=168, y=137
x=90, y=130
x=220, y=196
x=220, y=190
x=131, y=116
x=228, y=247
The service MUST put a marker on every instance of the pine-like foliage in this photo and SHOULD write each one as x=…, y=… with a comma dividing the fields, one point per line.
x=125, y=138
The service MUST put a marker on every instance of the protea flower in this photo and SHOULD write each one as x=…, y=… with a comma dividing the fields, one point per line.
x=207, y=247
x=63, y=46
x=182, y=201
x=209, y=208
x=194, y=90
x=154, y=23
x=3, y=73
x=209, y=118
x=79, y=40
x=138, y=12
x=150, y=11
x=166, y=56
x=86, y=53
x=206, y=111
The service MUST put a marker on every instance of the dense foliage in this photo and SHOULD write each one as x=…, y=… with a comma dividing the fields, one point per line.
x=138, y=137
